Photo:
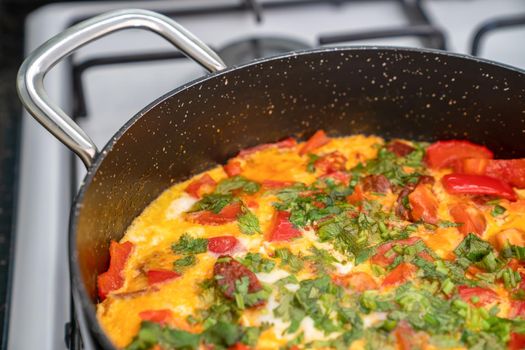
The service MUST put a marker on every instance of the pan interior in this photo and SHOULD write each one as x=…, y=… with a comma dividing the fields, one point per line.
x=410, y=94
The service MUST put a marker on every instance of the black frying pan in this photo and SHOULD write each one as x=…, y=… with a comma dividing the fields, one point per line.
x=391, y=92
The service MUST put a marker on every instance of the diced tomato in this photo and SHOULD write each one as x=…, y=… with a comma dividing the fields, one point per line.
x=358, y=281
x=273, y=184
x=477, y=185
x=444, y=154
x=232, y=167
x=112, y=279
x=404, y=336
x=157, y=316
x=381, y=258
x=338, y=177
x=471, y=218
x=282, y=229
x=222, y=244
x=511, y=171
x=357, y=196
x=252, y=204
x=286, y=143
x=197, y=187
x=228, y=214
x=485, y=296
x=399, y=274
x=159, y=276
x=424, y=204
x=317, y=140
x=331, y=162
x=517, y=341
x=517, y=309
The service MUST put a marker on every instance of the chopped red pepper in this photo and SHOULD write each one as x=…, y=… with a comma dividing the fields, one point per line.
x=157, y=316
x=159, y=276
x=286, y=143
x=112, y=279
x=357, y=196
x=381, y=258
x=228, y=214
x=517, y=341
x=331, y=162
x=444, y=154
x=282, y=229
x=399, y=274
x=222, y=244
x=470, y=218
x=317, y=140
x=196, y=188
x=239, y=346
x=517, y=309
x=358, y=281
x=424, y=204
x=478, y=185
x=484, y=296
x=511, y=171
x=232, y=168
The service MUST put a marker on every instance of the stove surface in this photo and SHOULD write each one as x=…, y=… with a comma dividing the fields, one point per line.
x=113, y=93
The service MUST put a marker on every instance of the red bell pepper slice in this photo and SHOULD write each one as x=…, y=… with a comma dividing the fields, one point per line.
x=399, y=274
x=424, y=204
x=222, y=244
x=470, y=218
x=112, y=279
x=286, y=143
x=484, y=296
x=317, y=140
x=511, y=171
x=228, y=214
x=517, y=341
x=358, y=281
x=383, y=259
x=195, y=188
x=239, y=346
x=232, y=168
x=159, y=276
x=478, y=185
x=444, y=154
x=162, y=316
x=282, y=229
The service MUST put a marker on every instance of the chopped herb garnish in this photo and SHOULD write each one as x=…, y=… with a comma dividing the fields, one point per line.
x=248, y=222
x=237, y=183
x=189, y=245
x=257, y=263
x=498, y=210
x=182, y=264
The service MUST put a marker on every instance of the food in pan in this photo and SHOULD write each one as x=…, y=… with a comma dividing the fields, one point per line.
x=344, y=243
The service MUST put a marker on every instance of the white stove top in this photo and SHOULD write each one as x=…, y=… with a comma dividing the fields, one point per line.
x=41, y=296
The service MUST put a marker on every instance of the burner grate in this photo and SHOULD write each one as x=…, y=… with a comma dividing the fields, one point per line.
x=492, y=26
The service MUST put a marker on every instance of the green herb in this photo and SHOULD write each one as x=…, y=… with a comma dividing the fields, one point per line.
x=243, y=298
x=513, y=251
x=214, y=202
x=257, y=263
x=446, y=224
x=189, y=245
x=321, y=260
x=183, y=263
x=248, y=223
x=473, y=248
x=310, y=166
x=288, y=260
x=237, y=183
x=498, y=210
x=151, y=334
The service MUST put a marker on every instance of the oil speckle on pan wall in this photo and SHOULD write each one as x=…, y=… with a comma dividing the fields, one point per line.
x=389, y=92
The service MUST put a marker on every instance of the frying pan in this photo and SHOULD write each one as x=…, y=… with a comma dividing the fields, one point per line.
x=392, y=92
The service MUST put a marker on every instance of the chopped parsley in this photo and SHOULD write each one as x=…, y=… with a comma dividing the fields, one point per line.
x=289, y=261
x=214, y=202
x=248, y=222
x=498, y=210
x=182, y=264
x=189, y=245
x=237, y=183
x=257, y=263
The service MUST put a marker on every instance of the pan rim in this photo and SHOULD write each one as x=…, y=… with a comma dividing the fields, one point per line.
x=87, y=308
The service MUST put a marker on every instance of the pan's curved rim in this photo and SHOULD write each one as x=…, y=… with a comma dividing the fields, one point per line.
x=86, y=306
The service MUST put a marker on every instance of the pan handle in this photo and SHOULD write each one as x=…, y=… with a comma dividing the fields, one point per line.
x=30, y=80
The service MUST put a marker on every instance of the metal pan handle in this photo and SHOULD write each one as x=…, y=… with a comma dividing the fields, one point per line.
x=30, y=80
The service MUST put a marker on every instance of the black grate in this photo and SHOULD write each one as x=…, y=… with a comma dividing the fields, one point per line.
x=493, y=25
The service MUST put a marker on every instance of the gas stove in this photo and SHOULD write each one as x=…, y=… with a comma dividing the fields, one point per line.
x=107, y=82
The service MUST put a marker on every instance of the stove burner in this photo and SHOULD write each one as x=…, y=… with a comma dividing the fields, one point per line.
x=246, y=50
